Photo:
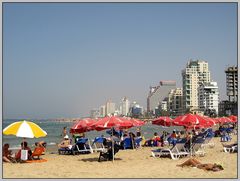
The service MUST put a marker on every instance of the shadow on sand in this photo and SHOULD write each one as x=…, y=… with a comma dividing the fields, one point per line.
x=96, y=159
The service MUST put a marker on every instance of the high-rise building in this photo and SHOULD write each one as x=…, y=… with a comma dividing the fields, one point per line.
x=103, y=111
x=175, y=101
x=110, y=108
x=124, y=106
x=208, y=97
x=193, y=75
x=232, y=83
x=158, y=94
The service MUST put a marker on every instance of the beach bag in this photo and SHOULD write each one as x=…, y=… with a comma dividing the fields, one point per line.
x=24, y=154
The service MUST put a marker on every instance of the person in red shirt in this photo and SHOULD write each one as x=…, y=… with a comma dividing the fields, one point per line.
x=24, y=146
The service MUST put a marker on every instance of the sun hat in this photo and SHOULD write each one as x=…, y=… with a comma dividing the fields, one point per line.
x=66, y=137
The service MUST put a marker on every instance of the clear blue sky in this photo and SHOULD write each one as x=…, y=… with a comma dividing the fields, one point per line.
x=64, y=59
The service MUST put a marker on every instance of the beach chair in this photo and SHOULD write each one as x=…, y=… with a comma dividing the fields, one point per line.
x=208, y=139
x=83, y=146
x=225, y=137
x=127, y=143
x=230, y=149
x=107, y=154
x=67, y=150
x=177, y=151
x=98, y=144
x=138, y=142
x=38, y=151
x=197, y=147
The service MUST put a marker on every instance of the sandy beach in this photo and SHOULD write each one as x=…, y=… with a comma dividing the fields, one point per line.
x=128, y=164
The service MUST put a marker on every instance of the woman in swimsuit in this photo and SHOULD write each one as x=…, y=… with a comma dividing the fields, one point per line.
x=195, y=163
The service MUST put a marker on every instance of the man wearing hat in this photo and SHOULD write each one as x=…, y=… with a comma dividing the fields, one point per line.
x=66, y=143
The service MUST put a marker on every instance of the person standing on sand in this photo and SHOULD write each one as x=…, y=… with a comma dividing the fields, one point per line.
x=64, y=132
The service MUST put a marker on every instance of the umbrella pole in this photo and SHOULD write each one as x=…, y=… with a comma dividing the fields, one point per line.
x=112, y=146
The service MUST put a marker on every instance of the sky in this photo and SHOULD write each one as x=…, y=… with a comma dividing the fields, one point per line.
x=64, y=59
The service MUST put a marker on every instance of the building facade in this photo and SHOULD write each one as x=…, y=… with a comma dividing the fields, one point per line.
x=158, y=94
x=227, y=108
x=208, y=97
x=124, y=106
x=110, y=108
x=232, y=83
x=175, y=101
x=102, y=111
x=193, y=75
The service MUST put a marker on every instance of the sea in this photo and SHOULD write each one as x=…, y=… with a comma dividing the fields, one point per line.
x=54, y=131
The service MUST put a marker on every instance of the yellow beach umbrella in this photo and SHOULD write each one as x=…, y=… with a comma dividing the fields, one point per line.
x=25, y=129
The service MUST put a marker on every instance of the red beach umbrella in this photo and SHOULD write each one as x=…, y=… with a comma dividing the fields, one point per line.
x=223, y=120
x=82, y=125
x=191, y=120
x=112, y=121
x=163, y=121
x=137, y=122
x=234, y=118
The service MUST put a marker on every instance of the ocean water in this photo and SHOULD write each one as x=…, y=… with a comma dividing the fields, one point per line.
x=54, y=131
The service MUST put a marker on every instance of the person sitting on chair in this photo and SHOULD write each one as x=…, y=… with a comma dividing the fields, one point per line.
x=66, y=143
x=208, y=166
x=24, y=146
x=7, y=154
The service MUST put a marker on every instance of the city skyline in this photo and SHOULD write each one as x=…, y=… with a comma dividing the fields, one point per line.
x=64, y=59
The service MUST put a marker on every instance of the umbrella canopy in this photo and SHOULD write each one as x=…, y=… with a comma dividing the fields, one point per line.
x=163, y=121
x=82, y=125
x=137, y=122
x=234, y=118
x=192, y=121
x=223, y=120
x=25, y=129
x=110, y=122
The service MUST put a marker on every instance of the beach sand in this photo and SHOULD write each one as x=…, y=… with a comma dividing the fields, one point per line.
x=128, y=164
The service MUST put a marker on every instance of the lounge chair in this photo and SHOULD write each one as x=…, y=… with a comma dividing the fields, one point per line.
x=138, y=142
x=230, y=148
x=98, y=144
x=127, y=143
x=108, y=153
x=83, y=146
x=38, y=151
x=175, y=152
x=225, y=137
x=67, y=151
x=197, y=147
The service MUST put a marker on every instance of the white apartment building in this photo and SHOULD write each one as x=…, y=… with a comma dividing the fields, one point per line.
x=195, y=73
x=208, y=96
x=110, y=108
x=124, y=106
x=163, y=106
x=175, y=101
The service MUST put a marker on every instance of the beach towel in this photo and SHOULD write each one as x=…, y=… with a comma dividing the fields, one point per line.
x=35, y=161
